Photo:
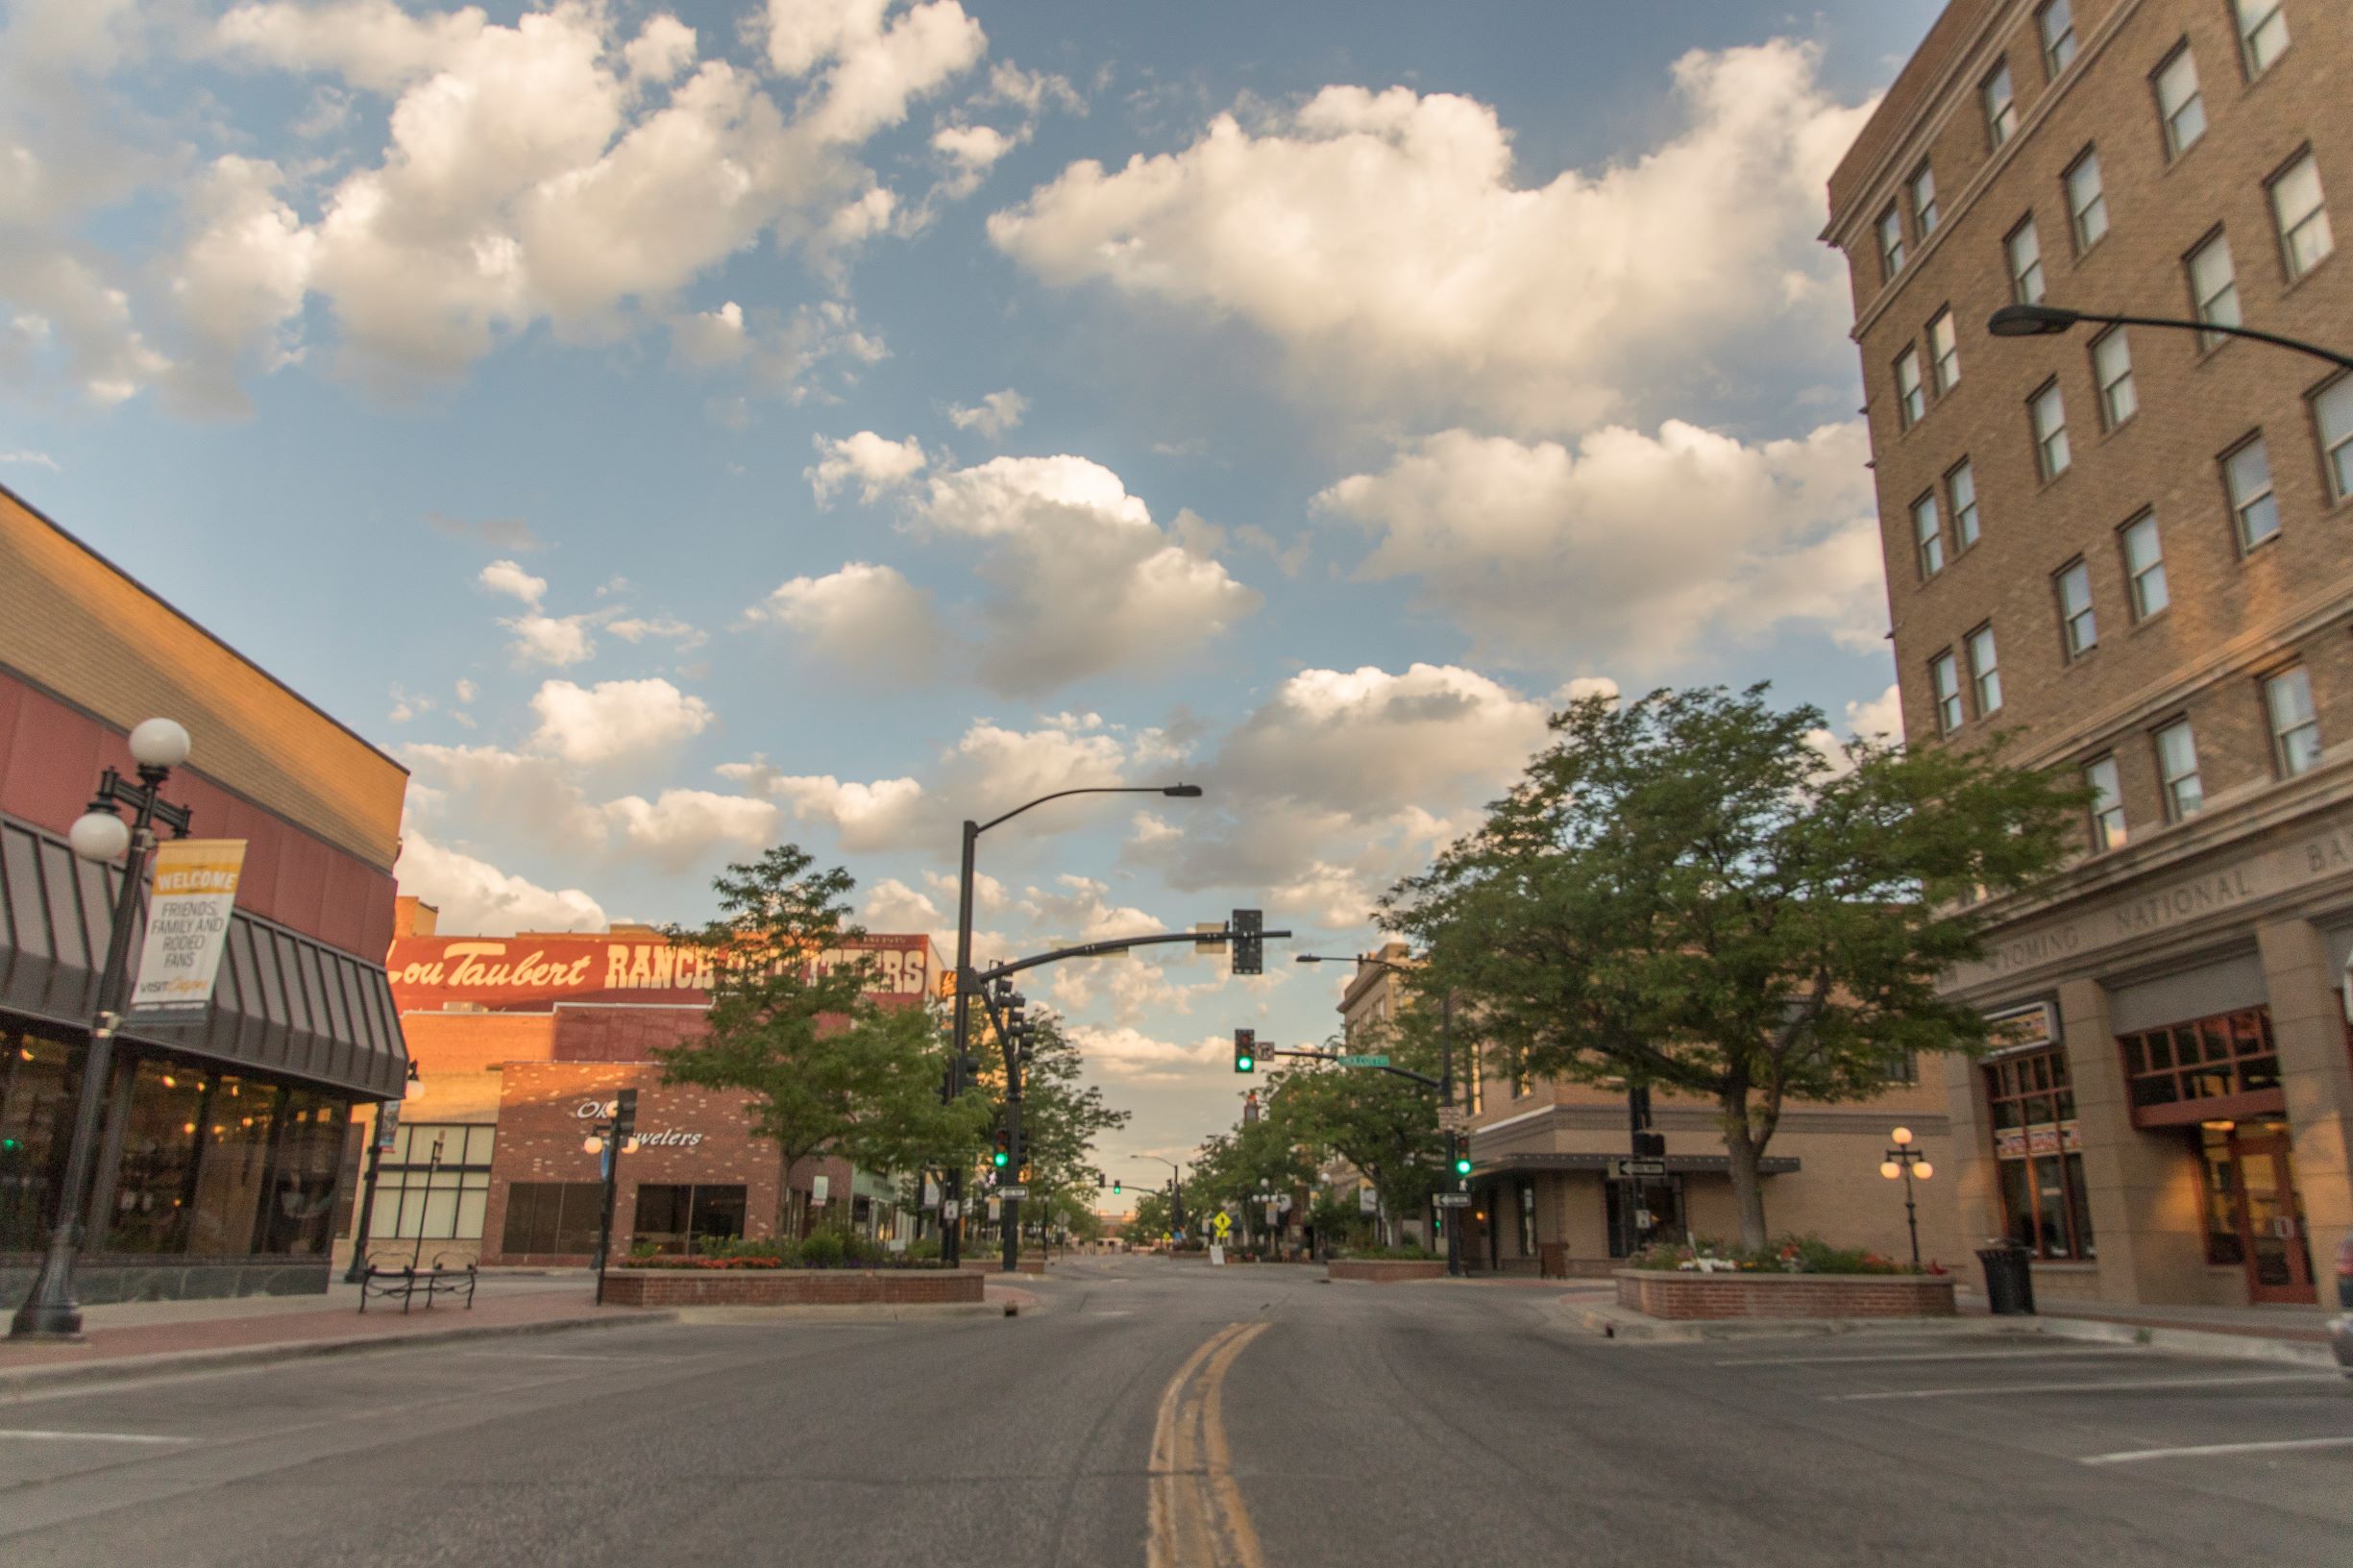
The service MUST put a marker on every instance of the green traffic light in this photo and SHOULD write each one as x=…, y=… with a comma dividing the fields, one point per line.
x=1246, y=1064
x=1462, y=1164
x=1001, y=1159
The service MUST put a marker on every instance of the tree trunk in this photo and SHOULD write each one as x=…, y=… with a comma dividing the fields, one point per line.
x=1746, y=1150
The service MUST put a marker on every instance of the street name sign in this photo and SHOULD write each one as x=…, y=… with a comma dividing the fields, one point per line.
x=1623, y=1169
x=1450, y=1200
x=1362, y=1061
x=1016, y=1190
x=1453, y=1118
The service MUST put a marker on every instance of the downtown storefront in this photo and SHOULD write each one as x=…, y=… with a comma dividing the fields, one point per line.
x=2164, y=1116
x=218, y=1162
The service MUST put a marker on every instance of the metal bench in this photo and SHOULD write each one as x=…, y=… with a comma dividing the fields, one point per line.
x=410, y=1282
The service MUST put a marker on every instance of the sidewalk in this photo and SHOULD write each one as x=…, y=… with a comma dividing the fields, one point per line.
x=175, y=1336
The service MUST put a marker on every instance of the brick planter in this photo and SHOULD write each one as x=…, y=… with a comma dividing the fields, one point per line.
x=1385, y=1270
x=1680, y=1294
x=1028, y=1263
x=790, y=1288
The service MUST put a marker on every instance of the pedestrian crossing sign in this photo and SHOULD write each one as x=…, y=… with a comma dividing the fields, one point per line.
x=1223, y=1225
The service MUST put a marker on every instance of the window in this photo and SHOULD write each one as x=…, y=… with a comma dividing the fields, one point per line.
x=1911, y=396
x=2145, y=566
x=1944, y=351
x=2205, y=1059
x=2087, y=201
x=2074, y=586
x=2037, y=1155
x=553, y=1218
x=2263, y=34
x=2107, y=804
x=2025, y=249
x=2058, y=24
x=1961, y=494
x=2001, y=101
x=2214, y=287
x=2180, y=105
x=1527, y=1219
x=678, y=1218
x=2333, y=416
x=2177, y=770
x=1928, y=528
x=2247, y=472
x=2048, y=411
x=2304, y=235
x=1891, y=242
x=2112, y=371
x=1903, y=1067
x=1985, y=671
x=2296, y=729
x=40, y=1079
x=1924, y=214
x=1945, y=677
x=433, y=1183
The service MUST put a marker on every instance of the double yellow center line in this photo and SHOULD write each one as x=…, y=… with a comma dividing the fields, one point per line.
x=1197, y=1518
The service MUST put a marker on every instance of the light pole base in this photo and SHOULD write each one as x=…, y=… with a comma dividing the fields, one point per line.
x=49, y=1311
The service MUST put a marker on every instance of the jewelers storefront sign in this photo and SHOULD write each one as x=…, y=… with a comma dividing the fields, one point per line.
x=656, y=1138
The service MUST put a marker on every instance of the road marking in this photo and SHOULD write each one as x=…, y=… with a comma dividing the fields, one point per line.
x=93, y=1437
x=1938, y=1355
x=1196, y=1515
x=2282, y=1445
x=2084, y=1387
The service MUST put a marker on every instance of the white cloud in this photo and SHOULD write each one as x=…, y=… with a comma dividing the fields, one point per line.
x=465, y=689
x=682, y=827
x=556, y=640
x=992, y=416
x=881, y=57
x=510, y=579
x=1630, y=547
x=865, y=619
x=407, y=705
x=663, y=47
x=239, y=281
x=711, y=337
x=1128, y=1053
x=32, y=459
x=615, y=718
x=1384, y=237
x=875, y=462
x=632, y=628
x=1882, y=715
x=890, y=905
x=864, y=817
x=476, y=897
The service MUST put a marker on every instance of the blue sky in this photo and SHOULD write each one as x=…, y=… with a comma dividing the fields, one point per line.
x=672, y=428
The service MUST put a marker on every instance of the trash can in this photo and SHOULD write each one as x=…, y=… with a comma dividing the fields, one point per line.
x=2009, y=1279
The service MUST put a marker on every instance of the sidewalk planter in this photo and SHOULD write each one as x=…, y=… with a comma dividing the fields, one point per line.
x=790, y=1286
x=1029, y=1263
x=1691, y=1295
x=1385, y=1270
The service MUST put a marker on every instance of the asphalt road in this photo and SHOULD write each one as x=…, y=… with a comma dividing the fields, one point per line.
x=1173, y=1415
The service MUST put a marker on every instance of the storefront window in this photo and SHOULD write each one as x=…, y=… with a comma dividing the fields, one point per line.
x=37, y=1082
x=2222, y=1245
x=2205, y=1059
x=156, y=1180
x=300, y=1217
x=434, y=1182
x=2037, y=1151
x=553, y=1218
x=675, y=1219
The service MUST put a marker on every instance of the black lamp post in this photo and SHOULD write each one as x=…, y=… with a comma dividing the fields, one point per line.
x=378, y=1136
x=100, y=836
x=1176, y=1192
x=2048, y=320
x=1906, y=1162
x=1446, y=1084
x=951, y=1234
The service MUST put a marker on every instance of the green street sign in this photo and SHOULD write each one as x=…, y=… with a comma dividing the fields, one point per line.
x=1363, y=1060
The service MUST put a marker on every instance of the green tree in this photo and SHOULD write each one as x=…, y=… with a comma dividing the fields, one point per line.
x=1690, y=891
x=1261, y=1156
x=1384, y=1125
x=1149, y=1221
x=825, y=1069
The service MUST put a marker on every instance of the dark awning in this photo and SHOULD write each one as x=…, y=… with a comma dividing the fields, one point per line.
x=284, y=1003
x=1677, y=1164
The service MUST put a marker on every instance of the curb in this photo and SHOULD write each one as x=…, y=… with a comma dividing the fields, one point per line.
x=31, y=1382
x=2222, y=1346
x=848, y=1312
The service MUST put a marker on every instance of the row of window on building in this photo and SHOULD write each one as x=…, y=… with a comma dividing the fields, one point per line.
x=2179, y=101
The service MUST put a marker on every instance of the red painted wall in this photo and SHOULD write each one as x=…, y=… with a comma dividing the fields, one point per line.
x=50, y=759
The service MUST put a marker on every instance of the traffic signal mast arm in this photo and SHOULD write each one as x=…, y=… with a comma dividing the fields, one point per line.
x=1422, y=1078
x=1097, y=949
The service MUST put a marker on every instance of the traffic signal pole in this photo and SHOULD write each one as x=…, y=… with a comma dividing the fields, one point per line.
x=1454, y=1142
x=951, y=1190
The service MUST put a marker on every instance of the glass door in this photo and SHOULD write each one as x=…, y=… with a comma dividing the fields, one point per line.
x=2271, y=1219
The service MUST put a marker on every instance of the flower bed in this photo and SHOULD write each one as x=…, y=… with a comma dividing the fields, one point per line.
x=1385, y=1270
x=756, y=1285
x=1724, y=1293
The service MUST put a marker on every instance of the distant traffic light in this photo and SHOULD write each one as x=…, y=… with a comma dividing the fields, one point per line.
x=1115, y=1190
x=1249, y=947
x=1245, y=1047
x=1462, y=1161
x=1003, y=1155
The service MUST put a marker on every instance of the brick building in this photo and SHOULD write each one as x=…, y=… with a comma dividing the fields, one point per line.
x=2125, y=556
x=1541, y=1151
x=521, y=1043
x=221, y=1138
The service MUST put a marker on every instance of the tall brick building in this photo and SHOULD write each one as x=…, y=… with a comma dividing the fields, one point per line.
x=2126, y=556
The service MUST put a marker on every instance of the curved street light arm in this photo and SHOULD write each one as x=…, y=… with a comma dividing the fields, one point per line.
x=1098, y=789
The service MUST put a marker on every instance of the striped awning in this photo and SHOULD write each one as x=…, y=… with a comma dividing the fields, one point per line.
x=284, y=1003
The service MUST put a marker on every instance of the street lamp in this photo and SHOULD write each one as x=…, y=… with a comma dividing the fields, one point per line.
x=951, y=1237
x=158, y=746
x=1907, y=1162
x=2048, y=320
x=1176, y=1190
x=1446, y=1084
x=411, y=1089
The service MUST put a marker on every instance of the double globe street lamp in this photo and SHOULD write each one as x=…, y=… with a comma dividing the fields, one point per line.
x=101, y=836
x=1908, y=1164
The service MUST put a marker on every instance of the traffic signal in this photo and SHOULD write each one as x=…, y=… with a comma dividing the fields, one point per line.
x=1462, y=1161
x=1115, y=1188
x=1249, y=947
x=1003, y=1156
x=1245, y=1050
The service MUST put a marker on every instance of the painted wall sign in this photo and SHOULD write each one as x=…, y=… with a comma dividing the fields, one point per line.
x=187, y=926
x=520, y=974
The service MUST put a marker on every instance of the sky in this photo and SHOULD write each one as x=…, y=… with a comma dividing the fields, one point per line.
x=672, y=430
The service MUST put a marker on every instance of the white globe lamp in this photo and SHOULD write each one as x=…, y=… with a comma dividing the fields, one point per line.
x=99, y=836
x=159, y=742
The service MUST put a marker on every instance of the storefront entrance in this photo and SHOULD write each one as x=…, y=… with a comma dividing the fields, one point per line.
x=2256, y=1213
